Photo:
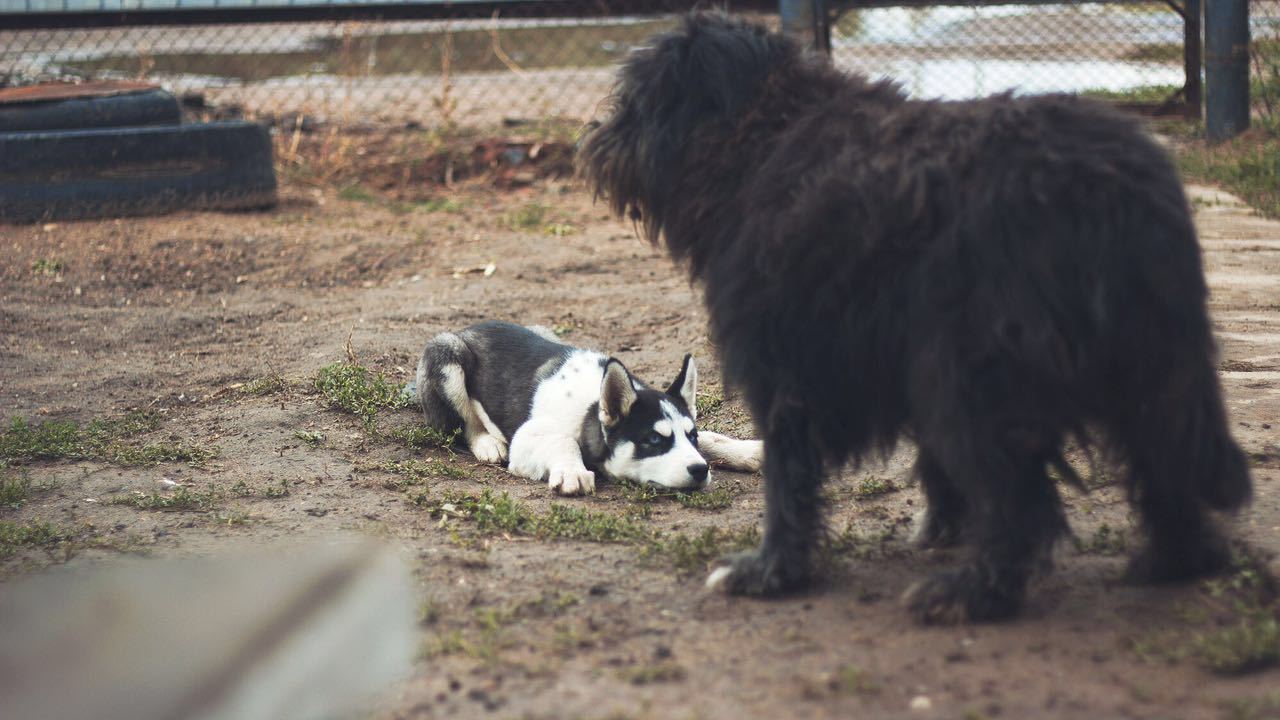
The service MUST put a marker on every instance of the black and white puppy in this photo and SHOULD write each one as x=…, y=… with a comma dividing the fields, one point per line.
x=564, y=415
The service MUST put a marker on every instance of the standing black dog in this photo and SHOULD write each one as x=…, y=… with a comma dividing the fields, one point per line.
x=991, y=278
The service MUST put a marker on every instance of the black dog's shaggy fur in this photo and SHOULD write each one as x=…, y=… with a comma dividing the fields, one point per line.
x=990, y=277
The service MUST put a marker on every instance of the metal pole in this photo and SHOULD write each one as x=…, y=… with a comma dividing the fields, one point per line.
x=1226, y=64
x=1192, y=58
x=806, y=20
x=797, y=18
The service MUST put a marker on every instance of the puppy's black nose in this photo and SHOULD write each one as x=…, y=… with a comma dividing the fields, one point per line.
x=698, y=472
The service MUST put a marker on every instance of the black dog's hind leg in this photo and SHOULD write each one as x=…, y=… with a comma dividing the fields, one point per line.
x=793, y=473
x=946, y=510
x=1014, y=517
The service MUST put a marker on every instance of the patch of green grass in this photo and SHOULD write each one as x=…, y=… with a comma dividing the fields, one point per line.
x=560, y=229
x=1266, y=707
x=1248, y=166
x=14, y=491
x=422, y=437
x=645, y=494
x=234, y=516
x=663, y=672
x=47, y=266
x=105, y=440
x=418, y=472
x=529, y=217
x=694, y=553
x=1140, y=94
x=276, y=491
x=1106, y=540
x=180, y=500
x=310, y=437
x=850, y=679
x=440, y=204
x=718, y=499
x=358, y=193
x=266, y=385
x=359, y=391
x=874, y=486
x=14, y=536
x=708, y=403
x=495, y=514
x=1250, y=645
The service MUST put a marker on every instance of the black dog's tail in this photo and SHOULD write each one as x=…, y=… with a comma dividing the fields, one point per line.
x=1218, y=466
x=1179, y=442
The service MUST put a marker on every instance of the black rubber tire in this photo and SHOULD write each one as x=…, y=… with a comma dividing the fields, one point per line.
x=153, y=107
x=73, y=174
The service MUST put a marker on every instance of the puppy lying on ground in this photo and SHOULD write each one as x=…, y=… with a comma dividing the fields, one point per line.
x=988, y=277
x=564, y=415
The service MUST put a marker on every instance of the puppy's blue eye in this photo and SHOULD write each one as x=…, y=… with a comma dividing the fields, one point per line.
x=652, y=438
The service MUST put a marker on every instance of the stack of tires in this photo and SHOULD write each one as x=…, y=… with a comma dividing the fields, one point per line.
x=112, y=149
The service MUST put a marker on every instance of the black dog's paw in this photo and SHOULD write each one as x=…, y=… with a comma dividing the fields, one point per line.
x=958, y=596
x=938, y=531
x=756, y=573
x=1154, y=566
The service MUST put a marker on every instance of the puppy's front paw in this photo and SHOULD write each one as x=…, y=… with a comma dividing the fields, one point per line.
x=959, y=596
x=489, y=449
x=572, y=481
x=756, y=573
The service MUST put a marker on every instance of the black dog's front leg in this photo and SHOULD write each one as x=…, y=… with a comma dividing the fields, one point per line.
x=793, y=472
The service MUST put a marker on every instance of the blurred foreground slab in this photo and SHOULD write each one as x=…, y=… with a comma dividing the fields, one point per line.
x=296, y=631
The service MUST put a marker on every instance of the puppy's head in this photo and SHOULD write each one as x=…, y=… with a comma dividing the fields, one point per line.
x=708, y=70
x=650, y=435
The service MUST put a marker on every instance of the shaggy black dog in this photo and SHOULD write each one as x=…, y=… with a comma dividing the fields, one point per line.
x=991, y=278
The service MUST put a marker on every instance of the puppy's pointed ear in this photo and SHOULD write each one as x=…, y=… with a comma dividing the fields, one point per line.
x=685, y=386
x=617, y=394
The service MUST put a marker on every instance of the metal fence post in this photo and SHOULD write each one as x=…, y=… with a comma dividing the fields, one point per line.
x=1192, y=59
x=806, y=19
x=1226, y=63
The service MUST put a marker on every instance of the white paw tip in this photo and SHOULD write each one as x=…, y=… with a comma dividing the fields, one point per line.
x=718, y=576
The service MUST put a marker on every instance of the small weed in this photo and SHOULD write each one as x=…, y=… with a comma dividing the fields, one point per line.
x=232, y=517
x=241, y=489
x=357, y=193
x=874, y=486
x=423, y=437
x=449, y=643
x=429, y=612
x=417, y=472
x=708, y=403
x=718, y=499
x=441, y=204
x=662, y=672
x=276, y=491
x=691, y=554
x=47, y=266
x=310, y=437
x=495, y=514
x=853, y=680
x=267, y=385
x=1266, y=707
x=1248, y=166
x=359, y=391
x=561, y=229
x=1106, y=540
x=180, y=500
x=1252, y=644
x=14, y=491
x=105, y=440
x=14, y=537
x=529, y=217
x=851, y=542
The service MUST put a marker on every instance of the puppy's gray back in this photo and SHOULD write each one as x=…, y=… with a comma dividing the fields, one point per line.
x=510, y=362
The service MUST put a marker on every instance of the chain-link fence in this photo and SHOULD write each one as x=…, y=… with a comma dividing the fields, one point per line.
x=487, y=71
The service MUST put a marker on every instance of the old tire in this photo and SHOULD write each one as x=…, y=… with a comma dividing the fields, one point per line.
x=72, y=174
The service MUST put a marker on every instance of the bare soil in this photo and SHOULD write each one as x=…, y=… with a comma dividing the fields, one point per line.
x=177, y=315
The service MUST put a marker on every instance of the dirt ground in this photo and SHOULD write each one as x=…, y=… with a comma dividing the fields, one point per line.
x=180, y=315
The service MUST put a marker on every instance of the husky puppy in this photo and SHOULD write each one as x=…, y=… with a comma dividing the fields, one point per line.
x=564, y=415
